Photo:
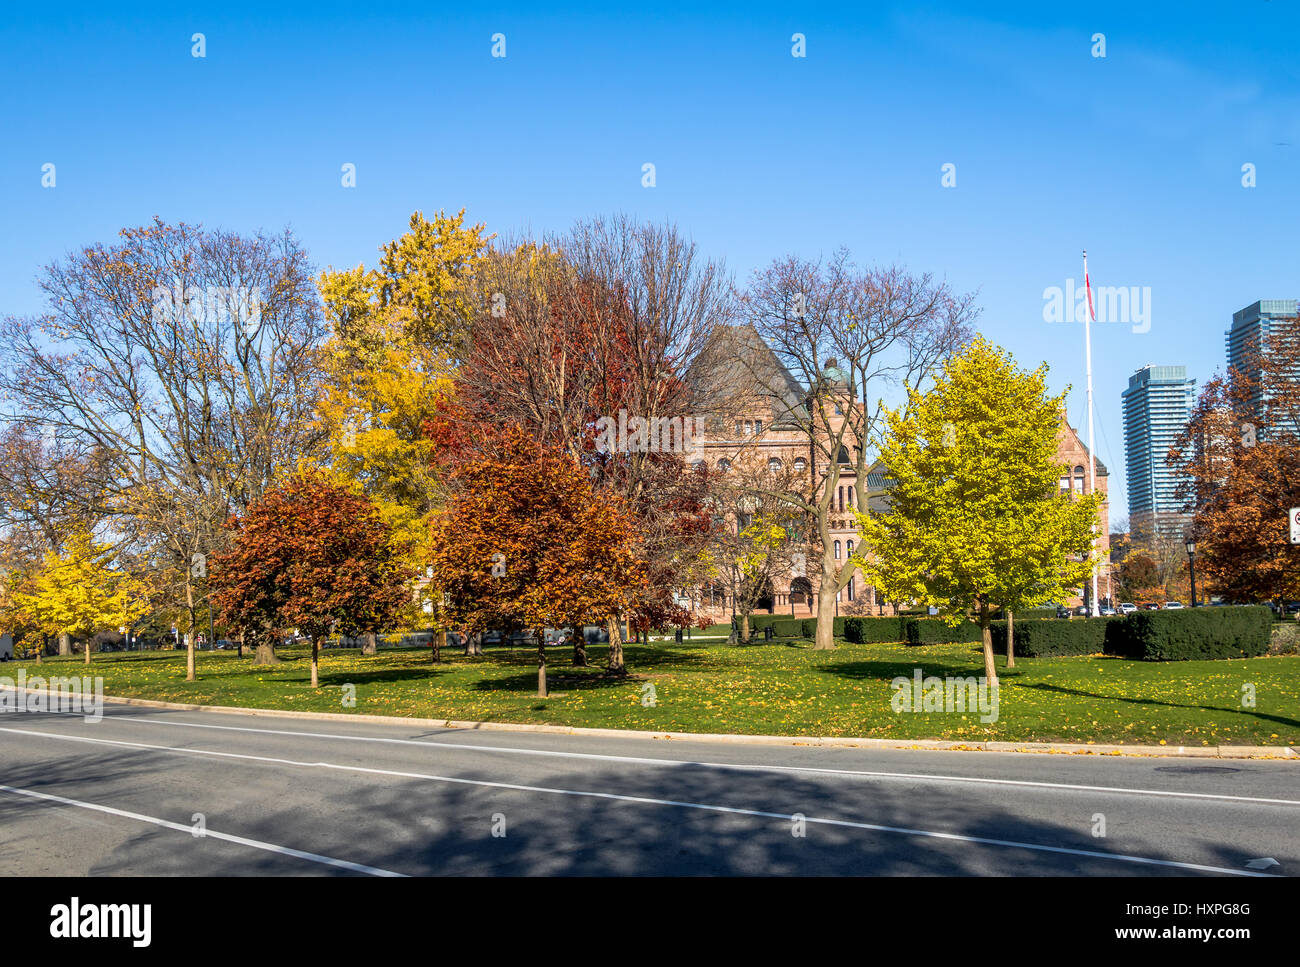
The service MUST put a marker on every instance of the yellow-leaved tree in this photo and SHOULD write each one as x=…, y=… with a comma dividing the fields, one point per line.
x=79, y=592
x=397, y=329
x=976, y=518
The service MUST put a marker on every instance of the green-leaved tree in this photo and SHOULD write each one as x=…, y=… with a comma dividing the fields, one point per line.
x=976, y=518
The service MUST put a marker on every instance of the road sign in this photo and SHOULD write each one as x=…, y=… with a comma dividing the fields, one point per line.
x=1294, y=516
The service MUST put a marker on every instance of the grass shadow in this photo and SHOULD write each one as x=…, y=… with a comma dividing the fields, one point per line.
x=1041, y=686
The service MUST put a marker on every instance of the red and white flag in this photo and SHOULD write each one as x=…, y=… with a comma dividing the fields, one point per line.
x=1088, y=288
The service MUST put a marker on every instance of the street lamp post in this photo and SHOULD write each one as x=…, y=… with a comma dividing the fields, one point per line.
x=1190, y=544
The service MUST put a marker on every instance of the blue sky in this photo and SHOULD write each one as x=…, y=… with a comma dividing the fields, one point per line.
x=1137, y=157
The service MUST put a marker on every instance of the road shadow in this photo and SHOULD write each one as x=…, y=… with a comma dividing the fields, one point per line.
x=528, y=817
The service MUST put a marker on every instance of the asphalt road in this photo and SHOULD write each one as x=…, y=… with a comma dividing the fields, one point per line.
x=151, y=792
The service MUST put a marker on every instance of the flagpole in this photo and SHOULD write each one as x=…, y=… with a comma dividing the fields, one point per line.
x=1094, y=609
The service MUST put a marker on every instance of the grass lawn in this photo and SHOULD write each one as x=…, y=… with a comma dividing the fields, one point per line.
x=782, y=688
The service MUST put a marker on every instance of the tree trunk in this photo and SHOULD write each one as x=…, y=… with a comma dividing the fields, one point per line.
x=744, y=628
x=1011, y=640
x=65, y=643
x=87, y=651
x=541, y=663
x=615, y=665
x=265, y=651
x=825, y=639
x=189, y=636
x=240, y=652
x=439, y=642
x=579, y=649
x=474, y=643
x=315, y=661
x=371, y=647
x=990, y=669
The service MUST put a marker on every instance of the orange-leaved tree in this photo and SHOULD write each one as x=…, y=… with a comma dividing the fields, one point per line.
x=311, y=556
x=526, y=543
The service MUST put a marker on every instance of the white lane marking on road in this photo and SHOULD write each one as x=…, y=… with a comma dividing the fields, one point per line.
x=207, y=834
x=741, y=767
x=646, y=800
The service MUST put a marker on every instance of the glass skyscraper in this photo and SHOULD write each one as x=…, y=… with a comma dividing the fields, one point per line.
x=1250, y=333
x=1157, y=405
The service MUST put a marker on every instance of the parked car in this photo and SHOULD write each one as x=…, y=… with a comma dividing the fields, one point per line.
x=1062, y=611
x=1108, y=612
x=1127, y=607
x=1149, y=606
x=1173, y=605
x=1081, y=611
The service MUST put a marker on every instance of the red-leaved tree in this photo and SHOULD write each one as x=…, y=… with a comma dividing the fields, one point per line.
x=310, y=556
x=526, y=543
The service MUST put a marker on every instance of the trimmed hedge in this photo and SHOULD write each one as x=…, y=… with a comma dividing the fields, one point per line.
x=793, y=627
x=1028, y=613
x=782, y=627
x=871, y=630
x=933, y=631
x=1187, y=634
x=1053, y=637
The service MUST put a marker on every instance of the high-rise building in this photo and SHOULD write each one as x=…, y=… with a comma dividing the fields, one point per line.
x=1157, y=405
x=1250, y=335
x=1250, y=329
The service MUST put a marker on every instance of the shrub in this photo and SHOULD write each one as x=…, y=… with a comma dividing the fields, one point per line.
x=1192, y=633
x=789, y=627
x=933, y=631
x=869, y=630
x=1051, y=638
x=1285, y=639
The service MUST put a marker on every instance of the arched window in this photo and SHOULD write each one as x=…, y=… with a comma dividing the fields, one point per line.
x=849, y=546
x=850, y=497
x=837, y=550
x=774, y=465
x=800, y=464
x=697, y=464
x=844, y=455
x=758, y=426
x=851, y=580
x=724, y=464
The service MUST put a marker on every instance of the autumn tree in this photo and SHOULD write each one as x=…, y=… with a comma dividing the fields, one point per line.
x=186, y=361
x=758, y=534
x=976, y=519
x=604, y=320
x=311, y=556
x=1238, y=461
x=526, y=543
x=841, y=338
x=396, y=331
x=80, y=592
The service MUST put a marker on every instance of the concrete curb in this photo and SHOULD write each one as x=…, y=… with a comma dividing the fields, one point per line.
x=830, y=742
